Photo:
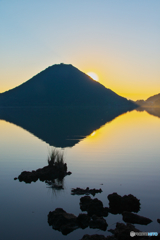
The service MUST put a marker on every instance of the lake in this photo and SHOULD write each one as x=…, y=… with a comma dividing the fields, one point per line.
x=121, y=156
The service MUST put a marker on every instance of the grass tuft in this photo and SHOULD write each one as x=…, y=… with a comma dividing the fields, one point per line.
x=55, y=158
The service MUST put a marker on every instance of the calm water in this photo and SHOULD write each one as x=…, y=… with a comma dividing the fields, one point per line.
x=123, y=155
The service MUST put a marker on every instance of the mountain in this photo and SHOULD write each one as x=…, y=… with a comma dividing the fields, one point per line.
x=151, y=102
x=61, y=105
x=62, y=85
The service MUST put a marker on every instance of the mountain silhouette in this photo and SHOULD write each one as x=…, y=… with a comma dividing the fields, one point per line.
x=61, y=105
x=62, y=85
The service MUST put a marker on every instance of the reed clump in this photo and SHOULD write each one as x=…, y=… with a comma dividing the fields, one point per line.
x=56, y=158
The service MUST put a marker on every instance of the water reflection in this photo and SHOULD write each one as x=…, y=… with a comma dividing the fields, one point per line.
x=60, y=127
x=155, y=111
x=55, y=185
x=123, y=155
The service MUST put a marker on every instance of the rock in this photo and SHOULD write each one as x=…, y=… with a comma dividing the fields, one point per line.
x=122, y=231
x=67, y=222
x=158, y=220
x=62, y=221
x=67, y=228
x=98, y=222
x=93, y=206
x=118, y=204
x=83, y=220
x=87, y=191
x=85, y=202
x=15, y=178
x=97, y=237
x=28, y=177
x=45, y=173
x=135, y=218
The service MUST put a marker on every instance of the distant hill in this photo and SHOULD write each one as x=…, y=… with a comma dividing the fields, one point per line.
x=62, y=85
x=151, y=102
x=151, y=105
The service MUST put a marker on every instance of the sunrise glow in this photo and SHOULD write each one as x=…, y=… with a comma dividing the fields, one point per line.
x=93, y=133
x=93, y=75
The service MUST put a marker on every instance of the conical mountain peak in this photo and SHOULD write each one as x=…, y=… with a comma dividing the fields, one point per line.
x=62, y=85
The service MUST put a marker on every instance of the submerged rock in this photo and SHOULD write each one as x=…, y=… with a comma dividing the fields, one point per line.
x=83, y=220
x=98, y=222
x=67, y=222
x=96, y=237
x=125, y=231
x=135, y=218
x=85, y=202
x=62, y=221
x=93, y=206
x=87, y=191
x=122, y=231
x=118, y=204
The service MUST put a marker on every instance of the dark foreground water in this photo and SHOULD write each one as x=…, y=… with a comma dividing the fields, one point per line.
x=123, y=155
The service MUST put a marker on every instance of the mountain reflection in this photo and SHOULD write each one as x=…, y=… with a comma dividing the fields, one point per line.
x=60, y=127
x=155, y=111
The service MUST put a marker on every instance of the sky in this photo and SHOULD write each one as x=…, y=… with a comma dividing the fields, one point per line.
x=119, y=40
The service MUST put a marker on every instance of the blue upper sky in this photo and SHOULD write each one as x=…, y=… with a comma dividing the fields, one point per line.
x=116, y=39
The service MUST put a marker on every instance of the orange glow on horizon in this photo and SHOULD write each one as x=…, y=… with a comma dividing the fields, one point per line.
x=113, y=131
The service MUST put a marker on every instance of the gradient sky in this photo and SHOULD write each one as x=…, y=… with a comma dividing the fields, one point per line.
x=119, y=40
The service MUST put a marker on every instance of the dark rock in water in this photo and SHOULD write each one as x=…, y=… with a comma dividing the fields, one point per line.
x=93, y=206
x=98, y=222
x=67, y=222
x=97, y=237
x=122, y=231
x=126, y=232
x=67, y=228
x=135, y=218
x=28, y=177
x=118, y=204
x=97, y=208
x=85, y=202
x=87, y=191
x=15, y=178
x=43, y=174
x=62, y=221
x=158, y=220
x=130, y=203
x=83, y=220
